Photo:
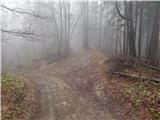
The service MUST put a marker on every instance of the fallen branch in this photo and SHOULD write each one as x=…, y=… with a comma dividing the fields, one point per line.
x=152, y=67
x=157, y=80
x=23, y=12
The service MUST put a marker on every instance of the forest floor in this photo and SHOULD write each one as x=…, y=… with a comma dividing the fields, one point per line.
x=17, y=96
x=78, y=88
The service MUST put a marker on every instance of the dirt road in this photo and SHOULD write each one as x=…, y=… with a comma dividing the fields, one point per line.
x=60, y=97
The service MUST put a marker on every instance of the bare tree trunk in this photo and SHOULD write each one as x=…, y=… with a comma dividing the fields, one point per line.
x=100, y=26
x=130, y=27
x=148, y=35
x=154, y=42
x=116, y=39
x=85, y=27
x=56, y=27
x=140, y=33
x=132, y=48
x=61, y=31
x=69, y=25
x=66, y=11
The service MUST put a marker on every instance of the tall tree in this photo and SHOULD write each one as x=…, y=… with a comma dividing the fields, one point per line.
x=154, y=42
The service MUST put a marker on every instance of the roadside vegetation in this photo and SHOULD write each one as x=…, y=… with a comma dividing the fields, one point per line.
x=137, y=86
x=16, y=101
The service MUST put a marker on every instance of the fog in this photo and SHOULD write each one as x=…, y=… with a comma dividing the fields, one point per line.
x=33, y=30
x=22, y=50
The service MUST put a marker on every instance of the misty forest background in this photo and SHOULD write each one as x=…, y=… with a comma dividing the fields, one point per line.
x=80, y=60
x=32, y=31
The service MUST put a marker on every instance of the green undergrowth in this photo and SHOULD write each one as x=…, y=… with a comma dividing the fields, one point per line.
x=146, y=95
x=13, y=95
x=13, y=88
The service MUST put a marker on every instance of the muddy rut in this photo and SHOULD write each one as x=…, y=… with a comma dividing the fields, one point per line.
x=58, y=97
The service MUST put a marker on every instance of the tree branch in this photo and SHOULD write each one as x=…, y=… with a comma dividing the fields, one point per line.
x=76, y=22
x=16, y=32
x=120, y=14
x=23, y=12
x=25, y=34
x=137, y=77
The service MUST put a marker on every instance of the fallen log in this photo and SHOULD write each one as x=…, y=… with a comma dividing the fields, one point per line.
x=151, y=67
x=157, y=80
x=154, y=68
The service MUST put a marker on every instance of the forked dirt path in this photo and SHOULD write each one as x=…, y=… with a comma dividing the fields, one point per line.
x=60, y=93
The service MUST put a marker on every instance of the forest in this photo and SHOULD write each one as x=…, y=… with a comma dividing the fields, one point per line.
x=80, y=60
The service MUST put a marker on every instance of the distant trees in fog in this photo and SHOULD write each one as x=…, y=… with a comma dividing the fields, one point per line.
x=141, y=30
x=135, y=28
x=128, y=28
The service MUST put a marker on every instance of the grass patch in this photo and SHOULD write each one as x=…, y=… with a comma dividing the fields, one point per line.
x=13, y=95
x=146, y=95
x=12, y=88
